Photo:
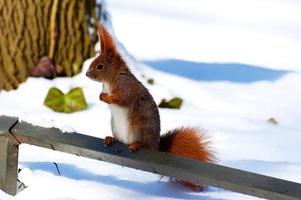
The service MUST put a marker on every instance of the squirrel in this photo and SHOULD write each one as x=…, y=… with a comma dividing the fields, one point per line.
x=135, y=118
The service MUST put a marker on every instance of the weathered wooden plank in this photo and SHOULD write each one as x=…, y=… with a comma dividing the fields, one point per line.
x=8, y=156
x=160, y=163
x=6, y=123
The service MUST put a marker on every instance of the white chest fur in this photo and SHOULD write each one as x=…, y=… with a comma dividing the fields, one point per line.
x=106, y=88
x=120, y=120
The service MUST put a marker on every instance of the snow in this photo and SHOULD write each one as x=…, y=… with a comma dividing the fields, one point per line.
x=233, y=109
x=258, y=32
x=4, y=196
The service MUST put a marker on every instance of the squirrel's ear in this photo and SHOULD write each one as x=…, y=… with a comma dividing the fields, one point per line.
x=106, y=41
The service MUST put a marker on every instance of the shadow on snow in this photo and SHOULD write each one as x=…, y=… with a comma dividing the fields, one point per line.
x=233, y=72
x=158, y=188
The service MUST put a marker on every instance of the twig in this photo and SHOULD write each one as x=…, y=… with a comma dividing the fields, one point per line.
x=52, y=29
x=21, y=183
x=57, y=168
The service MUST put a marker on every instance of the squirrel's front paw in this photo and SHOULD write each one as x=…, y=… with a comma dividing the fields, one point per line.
x=134, y=146
x=106, y=98
x=109, y=140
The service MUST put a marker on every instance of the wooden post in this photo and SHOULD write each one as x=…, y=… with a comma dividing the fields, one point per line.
x=8, y=166
x=9, y=149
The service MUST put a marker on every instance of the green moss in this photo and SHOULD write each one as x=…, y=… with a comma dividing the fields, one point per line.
x=73, y=101
x=151, y=81
x=174, y=103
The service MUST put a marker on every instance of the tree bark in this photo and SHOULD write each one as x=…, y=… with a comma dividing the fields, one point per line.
x=63, y=30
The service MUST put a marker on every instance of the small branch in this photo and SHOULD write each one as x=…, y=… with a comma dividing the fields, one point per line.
x=22, y=185
x=57, y=168
x=52, y=29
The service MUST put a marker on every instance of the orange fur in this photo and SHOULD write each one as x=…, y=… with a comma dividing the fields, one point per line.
x=105, y=98
x=134, y=146
x=109, y=140
x=189, y=143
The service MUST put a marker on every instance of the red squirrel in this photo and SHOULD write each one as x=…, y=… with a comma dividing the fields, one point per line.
x=135, y=117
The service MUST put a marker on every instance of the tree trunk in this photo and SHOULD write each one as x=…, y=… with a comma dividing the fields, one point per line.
x=63, y=30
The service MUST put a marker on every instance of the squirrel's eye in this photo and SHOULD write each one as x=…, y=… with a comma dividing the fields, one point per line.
x=99, y=66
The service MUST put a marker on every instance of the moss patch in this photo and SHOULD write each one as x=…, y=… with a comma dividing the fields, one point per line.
x=174, y=103
x=73, y=101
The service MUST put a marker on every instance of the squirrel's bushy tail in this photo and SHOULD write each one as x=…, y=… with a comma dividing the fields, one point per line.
x=187, y=142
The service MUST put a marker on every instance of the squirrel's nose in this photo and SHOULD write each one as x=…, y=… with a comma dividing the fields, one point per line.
x=90, y=74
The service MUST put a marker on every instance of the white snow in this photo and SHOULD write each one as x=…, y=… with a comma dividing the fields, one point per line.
x=258, y=32
x=264, y=33
x=4, y=196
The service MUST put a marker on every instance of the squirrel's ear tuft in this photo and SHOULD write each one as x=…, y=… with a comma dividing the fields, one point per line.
x=106, y=41
x=100, y=35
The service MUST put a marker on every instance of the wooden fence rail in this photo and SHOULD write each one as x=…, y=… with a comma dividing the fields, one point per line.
x=13, y=133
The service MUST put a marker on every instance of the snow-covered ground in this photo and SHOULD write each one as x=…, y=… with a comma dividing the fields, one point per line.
x=234, y=109
x=259, y=32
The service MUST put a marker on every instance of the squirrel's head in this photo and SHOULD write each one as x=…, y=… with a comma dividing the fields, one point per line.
x=108, y=64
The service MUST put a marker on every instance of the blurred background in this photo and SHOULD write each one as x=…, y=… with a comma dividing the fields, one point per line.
x=232, y=68
x=261, y=33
